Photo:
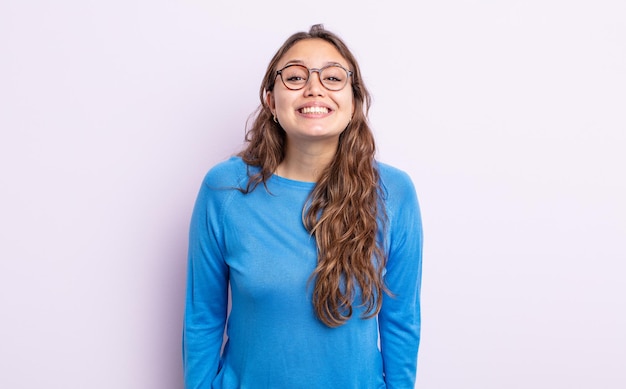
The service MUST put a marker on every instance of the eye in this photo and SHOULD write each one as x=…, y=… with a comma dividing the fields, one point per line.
x=295, y=74
x=334, y=74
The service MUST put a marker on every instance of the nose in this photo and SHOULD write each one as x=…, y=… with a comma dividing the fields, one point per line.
x=314, y=87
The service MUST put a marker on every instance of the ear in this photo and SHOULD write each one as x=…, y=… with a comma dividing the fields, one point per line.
x=269, y=100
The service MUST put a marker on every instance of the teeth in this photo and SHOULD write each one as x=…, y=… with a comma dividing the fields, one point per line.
x=314, y=110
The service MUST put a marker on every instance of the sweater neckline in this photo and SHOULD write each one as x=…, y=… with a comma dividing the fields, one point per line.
x=292, y=183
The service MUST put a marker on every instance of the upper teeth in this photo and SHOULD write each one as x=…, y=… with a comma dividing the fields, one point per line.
x=315, y=110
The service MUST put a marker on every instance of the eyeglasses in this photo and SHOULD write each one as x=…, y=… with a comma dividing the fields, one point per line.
x=333, y=77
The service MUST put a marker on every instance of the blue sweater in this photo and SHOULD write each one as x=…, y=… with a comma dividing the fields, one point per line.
x=256, y=243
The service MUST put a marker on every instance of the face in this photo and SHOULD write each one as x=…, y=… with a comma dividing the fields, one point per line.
x=313, y=112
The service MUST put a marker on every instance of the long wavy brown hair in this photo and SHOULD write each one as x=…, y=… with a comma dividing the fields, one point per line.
x=344, y=212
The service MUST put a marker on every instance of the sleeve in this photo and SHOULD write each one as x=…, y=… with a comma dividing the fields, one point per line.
x=399, y=317
x=206, y=304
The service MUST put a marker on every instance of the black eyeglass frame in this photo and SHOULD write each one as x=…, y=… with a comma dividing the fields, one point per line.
x=349, y=74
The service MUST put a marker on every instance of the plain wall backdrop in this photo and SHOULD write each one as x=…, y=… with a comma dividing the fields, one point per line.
x=510, y=116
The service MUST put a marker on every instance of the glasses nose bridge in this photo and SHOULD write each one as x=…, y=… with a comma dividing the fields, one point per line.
x=319, y=75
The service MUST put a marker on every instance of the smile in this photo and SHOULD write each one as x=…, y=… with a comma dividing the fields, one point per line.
x=317, y=110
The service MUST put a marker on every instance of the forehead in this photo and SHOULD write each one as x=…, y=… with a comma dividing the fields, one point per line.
x=313, y=53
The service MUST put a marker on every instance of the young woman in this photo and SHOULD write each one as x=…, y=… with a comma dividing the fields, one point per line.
x=320, y=244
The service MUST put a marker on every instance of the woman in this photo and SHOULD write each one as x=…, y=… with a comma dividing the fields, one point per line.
x=319, y=243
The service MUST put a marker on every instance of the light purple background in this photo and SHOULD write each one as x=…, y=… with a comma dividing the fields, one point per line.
x=509, y=115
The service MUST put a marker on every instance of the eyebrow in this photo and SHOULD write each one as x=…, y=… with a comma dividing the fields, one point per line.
x=300, y=62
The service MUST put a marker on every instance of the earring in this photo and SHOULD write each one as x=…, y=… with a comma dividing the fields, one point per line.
x=275, y=121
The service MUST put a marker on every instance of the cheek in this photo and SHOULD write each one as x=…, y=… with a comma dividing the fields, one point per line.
x=282, y=98
x=282, y=103
x=349, y=104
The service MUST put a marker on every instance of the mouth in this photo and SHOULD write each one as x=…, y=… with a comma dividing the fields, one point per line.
x=314, y=110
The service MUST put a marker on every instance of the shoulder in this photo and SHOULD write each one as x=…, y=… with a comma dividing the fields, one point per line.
x=228, y=174
x=219, y=186
x=398, y=195
x=396, y=184
x=401, y=206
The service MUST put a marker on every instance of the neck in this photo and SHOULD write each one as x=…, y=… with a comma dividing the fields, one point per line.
x=305, y=162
